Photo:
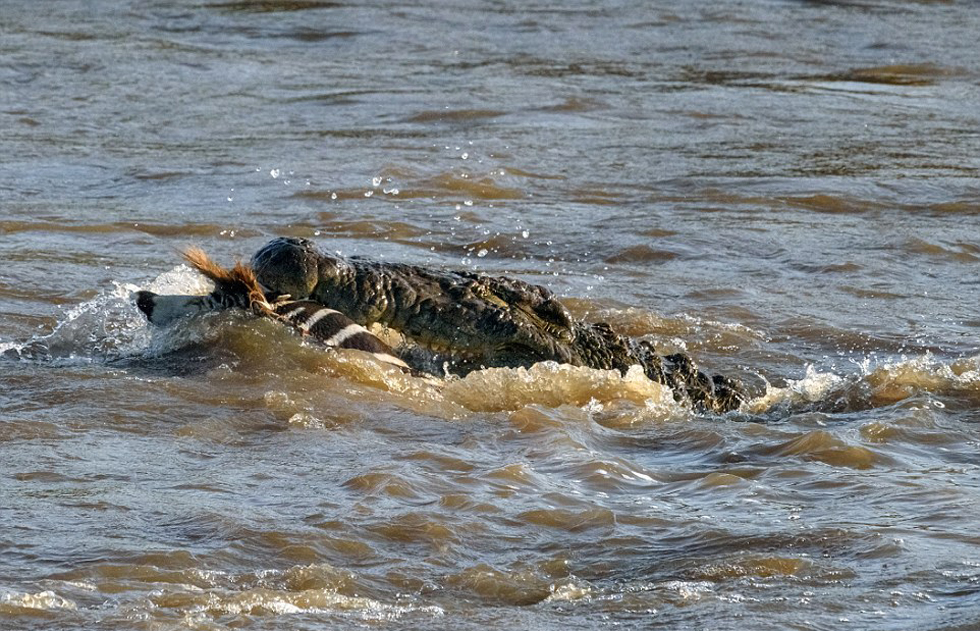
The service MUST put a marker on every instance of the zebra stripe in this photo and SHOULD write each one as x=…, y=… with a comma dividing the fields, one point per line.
x=290, y=315
x=316, y=317
x=343, y=334
x=333, y=328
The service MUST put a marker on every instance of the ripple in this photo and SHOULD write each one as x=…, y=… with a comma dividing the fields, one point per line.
x=898, y=74
x=453, y=116
x=273, y=6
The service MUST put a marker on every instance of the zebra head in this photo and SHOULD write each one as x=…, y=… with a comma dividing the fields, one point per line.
x=233, y=289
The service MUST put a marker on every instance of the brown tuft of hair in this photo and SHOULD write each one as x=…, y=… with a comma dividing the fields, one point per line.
x=238, y=280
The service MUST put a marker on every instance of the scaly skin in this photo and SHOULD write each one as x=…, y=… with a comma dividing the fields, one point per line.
x=475, y=320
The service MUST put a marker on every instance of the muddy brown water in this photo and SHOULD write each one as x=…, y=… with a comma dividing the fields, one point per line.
x=788, y=191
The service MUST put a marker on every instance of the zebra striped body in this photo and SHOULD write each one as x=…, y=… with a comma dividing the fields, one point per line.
x=333, y=328
x=238, y=289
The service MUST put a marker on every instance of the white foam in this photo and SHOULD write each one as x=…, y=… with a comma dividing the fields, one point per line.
x=315, y=601
x=569, y=591
x=877, y=383
x=813, y=387
x=181, y=280
x=551, y=384
x=109, y=326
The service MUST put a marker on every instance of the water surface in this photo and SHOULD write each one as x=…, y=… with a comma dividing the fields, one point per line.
x=787, y=191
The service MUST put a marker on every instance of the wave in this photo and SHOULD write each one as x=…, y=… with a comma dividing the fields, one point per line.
x=108, y=327
x=876, y=384
x=199, y=597
x=17, y=603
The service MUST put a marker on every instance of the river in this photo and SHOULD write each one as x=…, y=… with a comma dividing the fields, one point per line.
x=786, y=190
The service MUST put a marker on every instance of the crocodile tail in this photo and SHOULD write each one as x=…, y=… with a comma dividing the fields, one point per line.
x=711, y=394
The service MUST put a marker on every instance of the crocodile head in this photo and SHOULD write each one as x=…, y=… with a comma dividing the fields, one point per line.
x=295, y=267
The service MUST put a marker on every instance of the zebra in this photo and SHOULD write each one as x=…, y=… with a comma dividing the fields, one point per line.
x=238, y=288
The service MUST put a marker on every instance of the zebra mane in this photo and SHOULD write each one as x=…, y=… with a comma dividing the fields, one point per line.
x=238, y=281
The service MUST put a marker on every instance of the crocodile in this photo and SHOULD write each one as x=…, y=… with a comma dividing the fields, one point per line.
x=474, y=320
